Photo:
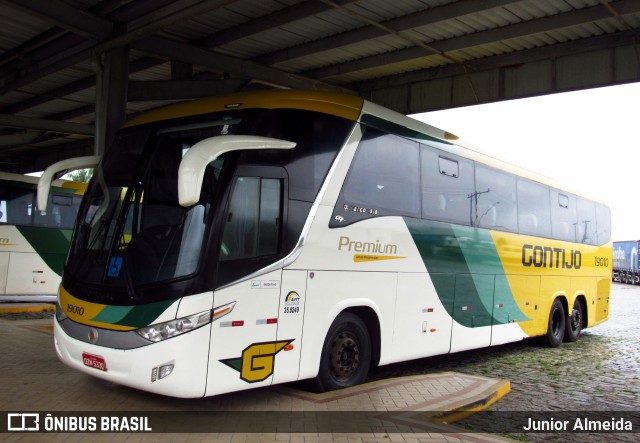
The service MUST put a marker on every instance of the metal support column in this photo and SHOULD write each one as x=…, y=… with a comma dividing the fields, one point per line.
x=112, y=77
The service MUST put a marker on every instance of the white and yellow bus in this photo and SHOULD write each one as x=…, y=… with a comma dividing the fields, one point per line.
x=267, y=237
x=34, y=244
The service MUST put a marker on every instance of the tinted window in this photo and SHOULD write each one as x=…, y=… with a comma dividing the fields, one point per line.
x=534, y=212
x=383, y=179
x=603, y=225
x=61, y=211
x=253, y=220
x=564, y=221
x=318, y=139
x=16, y=205
x=587, y=223
x=495, y=200
x=447, y=187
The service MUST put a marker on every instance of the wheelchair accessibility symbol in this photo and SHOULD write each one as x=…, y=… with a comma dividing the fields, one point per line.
x=115, y=266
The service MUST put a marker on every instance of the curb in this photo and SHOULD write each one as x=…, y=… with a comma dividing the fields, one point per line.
x=475, y=404
x=17, y=309
x=452, y=406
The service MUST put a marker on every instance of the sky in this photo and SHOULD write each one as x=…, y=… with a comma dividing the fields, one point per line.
x=587, y=140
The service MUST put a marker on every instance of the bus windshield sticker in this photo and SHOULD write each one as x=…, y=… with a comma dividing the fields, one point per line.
x=115, y=266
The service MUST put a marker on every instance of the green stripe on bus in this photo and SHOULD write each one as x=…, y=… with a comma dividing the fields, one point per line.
x=50, y=244
x=132, y=316
x=466, y=271
x=482, y=258
x=112, y=314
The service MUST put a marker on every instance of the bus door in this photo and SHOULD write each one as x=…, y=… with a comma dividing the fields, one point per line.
x=244, y=343
x=290, y=322
x=514, y=307
x=602, y=299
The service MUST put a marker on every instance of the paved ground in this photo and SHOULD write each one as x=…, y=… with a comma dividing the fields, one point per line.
x=601, y=372
x=403, y=409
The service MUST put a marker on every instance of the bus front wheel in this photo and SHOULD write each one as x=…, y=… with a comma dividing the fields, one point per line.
x=346, y=354
x=556, y=326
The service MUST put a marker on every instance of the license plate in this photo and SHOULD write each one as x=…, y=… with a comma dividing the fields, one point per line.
x=94, y=361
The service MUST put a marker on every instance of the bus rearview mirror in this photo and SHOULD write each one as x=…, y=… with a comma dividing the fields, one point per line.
x=70, y=164
x=195, y=161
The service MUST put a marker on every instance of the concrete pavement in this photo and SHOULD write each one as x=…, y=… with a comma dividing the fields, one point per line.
x=411, y=409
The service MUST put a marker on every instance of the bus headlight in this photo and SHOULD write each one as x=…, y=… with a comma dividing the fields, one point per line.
x=173, y=328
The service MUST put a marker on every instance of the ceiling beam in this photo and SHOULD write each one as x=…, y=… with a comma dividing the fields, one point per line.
x=47, y=67
x=17, y=121
x=67, y=17
x=20, y=52
x=400, y=24
x=168, y=16
x=165, y=17
x=181, y=89
x=275, y=19
x=531, y=27
x=499, y=61
x=278, y=18
x=76, y=86
x=224, y=63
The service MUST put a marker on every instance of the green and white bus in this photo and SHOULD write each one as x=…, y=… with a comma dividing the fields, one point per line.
x=268, y=237
x=34, y=244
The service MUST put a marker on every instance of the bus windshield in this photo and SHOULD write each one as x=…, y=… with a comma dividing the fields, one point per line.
x=131, y=229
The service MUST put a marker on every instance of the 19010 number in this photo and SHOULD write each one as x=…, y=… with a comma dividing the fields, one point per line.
x=602, y=262
x=75, y=309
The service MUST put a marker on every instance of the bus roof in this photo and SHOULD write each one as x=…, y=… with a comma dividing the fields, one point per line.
x=341, y=105
x=452, y=144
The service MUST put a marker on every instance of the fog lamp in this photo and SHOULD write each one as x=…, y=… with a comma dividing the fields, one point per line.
x=160, y=372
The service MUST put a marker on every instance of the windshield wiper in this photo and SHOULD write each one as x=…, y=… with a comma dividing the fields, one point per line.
x=131, y=287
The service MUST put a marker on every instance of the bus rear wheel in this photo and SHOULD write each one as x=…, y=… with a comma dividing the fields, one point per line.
x=556, y=326
x=574, y=323
x=346, y=354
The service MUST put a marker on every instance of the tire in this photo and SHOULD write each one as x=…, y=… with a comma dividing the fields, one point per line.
x=574, y=322
x=555, y=326
x=346, y=354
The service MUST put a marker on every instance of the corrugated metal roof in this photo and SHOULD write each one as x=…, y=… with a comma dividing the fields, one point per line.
x=339, y=43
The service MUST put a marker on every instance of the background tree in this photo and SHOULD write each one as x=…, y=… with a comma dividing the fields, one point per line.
x=81, y=175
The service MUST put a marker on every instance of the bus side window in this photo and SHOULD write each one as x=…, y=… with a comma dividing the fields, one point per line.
x=447, y=187
x=17, y=206
x=534, y=210
x=587, y=223
x=60, y=213
x=564, y=219
x=495, y=200
x=603, y=225
x=383, y=179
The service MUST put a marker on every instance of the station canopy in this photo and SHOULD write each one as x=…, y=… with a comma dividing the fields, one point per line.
x=70, y=69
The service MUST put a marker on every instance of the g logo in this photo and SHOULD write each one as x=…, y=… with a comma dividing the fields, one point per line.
x=257, y=360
